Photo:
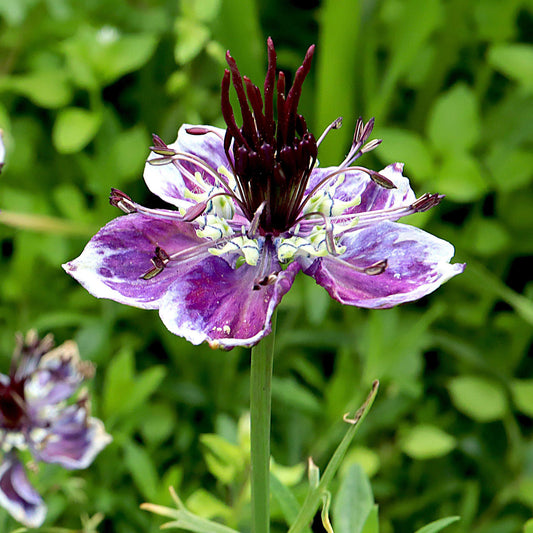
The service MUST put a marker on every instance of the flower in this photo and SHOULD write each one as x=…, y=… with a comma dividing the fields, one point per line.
x=253, y=209
x=35, y=416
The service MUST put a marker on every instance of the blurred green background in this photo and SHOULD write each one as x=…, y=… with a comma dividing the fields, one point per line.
x=450, y=82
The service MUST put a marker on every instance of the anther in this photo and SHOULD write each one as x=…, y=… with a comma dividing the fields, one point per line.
x=197, y=130
x=380, y=179
x=167, y=152
x=369, y=146
x=376, y=268
x=160, y=260
x=121, y=200
x=426, y=201
x=335, y=125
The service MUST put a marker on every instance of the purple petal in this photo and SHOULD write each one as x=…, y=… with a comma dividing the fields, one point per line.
x=216, y=303
x=168, y=182
x=417, y=264
x=115, y=259
x=57, y=377
x=373, y=196
x=18, y=496
x=74, y=439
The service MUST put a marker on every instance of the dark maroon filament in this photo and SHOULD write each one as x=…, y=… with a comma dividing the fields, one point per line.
x=12, y=413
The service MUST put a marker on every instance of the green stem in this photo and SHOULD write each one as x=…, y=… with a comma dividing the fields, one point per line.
x=312, y=500
x=260, y=402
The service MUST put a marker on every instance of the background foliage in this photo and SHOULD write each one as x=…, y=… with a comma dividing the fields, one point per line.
x=83, y=84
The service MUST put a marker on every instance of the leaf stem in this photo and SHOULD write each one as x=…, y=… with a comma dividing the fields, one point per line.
x=260, y=408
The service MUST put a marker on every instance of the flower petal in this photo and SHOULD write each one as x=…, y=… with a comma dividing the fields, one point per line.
x=417, y=264
x=57, y=377
x=214, y=302
x=18, y=496
x=115, y=259
x=373, y=196
x=74, y=439
x=168, y=182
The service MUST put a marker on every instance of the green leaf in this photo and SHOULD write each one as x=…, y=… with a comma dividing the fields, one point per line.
x=488, y=236
x=45, y=88
x=410, y=28
x=454, y=123
x=514, y=61
x=290, y=393
x=338, y=59
x=204, y=504
x=128, y=153
x=480, y=398
x=317, y=301
x=99, y=57
x=460, y=178
x=124, y=55
x=354, y=501
x=118, y=378
x=15, y=12
x=405, y=146
x=204, y=10
x=286, y=500
x=224, y=459
x=372, y=521
x=438, y=525
x=495, y=20
x=158, y=422
x=145, y=385
x=510, y=167
x=427, y=442
x=74, y=128
x=528, y=526
x=191, y=37
x=142, y=469
x=238, y=30
x=522, y=390
x=368, y=459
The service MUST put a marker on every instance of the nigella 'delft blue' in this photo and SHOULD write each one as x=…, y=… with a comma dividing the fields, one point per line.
x=254, y=208
x=35, y=415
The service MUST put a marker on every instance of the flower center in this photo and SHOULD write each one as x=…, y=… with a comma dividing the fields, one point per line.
x=271, y=161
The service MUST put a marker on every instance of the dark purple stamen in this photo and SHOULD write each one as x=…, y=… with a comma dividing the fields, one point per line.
x=119, y=199
x=159, y=260
x=426, y=201
x=272, y=161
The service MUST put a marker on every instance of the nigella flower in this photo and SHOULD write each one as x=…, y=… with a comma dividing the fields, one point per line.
x=35, y=416
x=253, y=209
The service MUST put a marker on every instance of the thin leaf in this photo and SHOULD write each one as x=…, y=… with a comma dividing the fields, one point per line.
x=438, y=525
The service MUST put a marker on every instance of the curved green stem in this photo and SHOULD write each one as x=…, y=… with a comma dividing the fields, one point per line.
x=260, y=403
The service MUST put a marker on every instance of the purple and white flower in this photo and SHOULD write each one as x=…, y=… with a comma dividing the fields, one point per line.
x=252, y=209
x=35, y=415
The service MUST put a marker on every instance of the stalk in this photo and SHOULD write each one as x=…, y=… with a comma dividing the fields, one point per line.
x=260, y=409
